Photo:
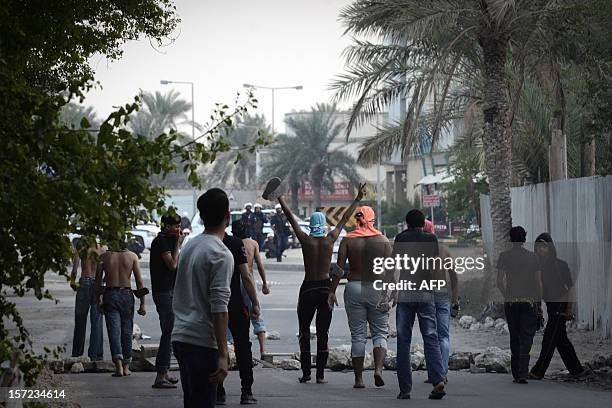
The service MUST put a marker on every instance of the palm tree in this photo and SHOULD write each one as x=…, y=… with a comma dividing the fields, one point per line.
x=309, y=152
x=444, y=57
x=72, y=115
x=160, y=113
x=239, y=167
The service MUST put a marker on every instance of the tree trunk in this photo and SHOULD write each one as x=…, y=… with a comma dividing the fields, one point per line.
x=497, y=146
x=316, y=180
x=587, y=158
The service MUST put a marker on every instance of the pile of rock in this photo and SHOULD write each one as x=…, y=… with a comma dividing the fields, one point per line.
x=81, y=364
x=472, y=324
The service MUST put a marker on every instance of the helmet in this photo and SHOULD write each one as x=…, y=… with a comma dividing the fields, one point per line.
x=277, y=207
x=257, y=205
x=247, y=205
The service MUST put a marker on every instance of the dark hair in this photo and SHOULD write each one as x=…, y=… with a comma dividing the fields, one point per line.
x=518, y=234
x=544, y=239
x=170, y=218
x=213, y=206
x=415, y=219
x=238, y=229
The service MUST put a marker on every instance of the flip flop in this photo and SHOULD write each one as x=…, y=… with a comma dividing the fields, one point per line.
x=116, y=375
x=271, y=187
x=172, y=380
x=163, y=384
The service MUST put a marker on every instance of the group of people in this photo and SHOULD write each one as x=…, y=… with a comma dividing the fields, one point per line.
x=253, y=220
x=204, y=292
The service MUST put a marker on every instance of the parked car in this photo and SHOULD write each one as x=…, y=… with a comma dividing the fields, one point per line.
x=147, y=232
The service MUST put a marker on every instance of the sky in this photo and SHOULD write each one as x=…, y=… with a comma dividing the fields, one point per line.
x=220, y=45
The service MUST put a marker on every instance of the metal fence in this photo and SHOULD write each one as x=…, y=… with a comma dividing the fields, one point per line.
x=578, y=215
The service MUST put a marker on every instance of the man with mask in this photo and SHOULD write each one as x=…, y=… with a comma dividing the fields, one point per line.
x=317, y=250
x=248, y=218
x=363, y=304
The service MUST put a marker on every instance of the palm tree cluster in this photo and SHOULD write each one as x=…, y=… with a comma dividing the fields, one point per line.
x=508, y=71
x=238, y=167
x=306, y=153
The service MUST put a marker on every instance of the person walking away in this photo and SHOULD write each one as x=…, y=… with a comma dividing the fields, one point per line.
x=186, y=223
x=447, y=301
x=239, y=319
x=164, y=256
x=557, y=293
x=281, y=231
x=200, y=299
x=363, y=304
x=317, y=251
x=253, y=255
x=85, y=302
x=520, y=282
x=117, y=301
x=415, y=243
x=259, y=219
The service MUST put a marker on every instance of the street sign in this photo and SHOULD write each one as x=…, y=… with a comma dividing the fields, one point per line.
x=431, y=200
x=334, y=214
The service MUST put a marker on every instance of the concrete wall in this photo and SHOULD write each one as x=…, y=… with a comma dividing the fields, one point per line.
x=578, y=215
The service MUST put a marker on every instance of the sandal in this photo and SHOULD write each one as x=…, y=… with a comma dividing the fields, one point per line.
x=163, y=384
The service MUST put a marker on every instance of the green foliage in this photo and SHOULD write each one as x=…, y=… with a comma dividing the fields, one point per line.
x=59, y=178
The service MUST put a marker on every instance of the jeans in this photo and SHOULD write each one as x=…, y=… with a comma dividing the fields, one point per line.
x=119, y=312
x=163, y=304
x=313, y=300
x=238, y=324
x=442, y=323
x=85, y=304
x=522, y=324
x=260, y=238
x=426, y=313
x=196, y=364
x=258, y=324
x=282, y=242
x=360, y=300
x=555, y=337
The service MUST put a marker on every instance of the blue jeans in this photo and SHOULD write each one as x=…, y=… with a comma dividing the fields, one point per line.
x=85, y=304
x=426, y=313
x=119, y=312
x=522, y=321
x=443, y=322
x=163, y=304
x=196, y=365
x=282, y=243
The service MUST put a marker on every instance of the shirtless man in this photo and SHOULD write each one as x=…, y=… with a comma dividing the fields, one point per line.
x=252, y=253
x=317, y=251
x=363, y=304
x=85, y=302
x=117, y=303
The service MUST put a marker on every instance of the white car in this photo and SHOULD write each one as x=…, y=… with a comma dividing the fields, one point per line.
x=147, y=232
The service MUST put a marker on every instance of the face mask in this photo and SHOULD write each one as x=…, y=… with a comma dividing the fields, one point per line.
x=317, y=225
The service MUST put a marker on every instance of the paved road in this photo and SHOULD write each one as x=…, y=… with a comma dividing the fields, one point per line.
x=277, y=388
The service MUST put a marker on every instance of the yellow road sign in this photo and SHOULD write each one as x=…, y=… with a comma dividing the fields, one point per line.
x=334, y=214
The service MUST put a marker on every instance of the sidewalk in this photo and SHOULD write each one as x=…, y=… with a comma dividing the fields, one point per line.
x=277, y=388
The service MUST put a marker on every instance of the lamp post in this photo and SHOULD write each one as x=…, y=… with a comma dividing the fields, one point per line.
x=166, y=82
x=273, y=88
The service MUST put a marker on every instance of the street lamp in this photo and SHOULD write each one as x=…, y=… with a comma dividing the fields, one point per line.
x=273, y=88
x=166, y=82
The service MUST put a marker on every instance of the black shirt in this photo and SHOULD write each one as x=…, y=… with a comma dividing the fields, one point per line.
x=556, y=280
x=162, y=277
x=279, y=222
x=238, y=251
x=417, y=243
x=520, y=267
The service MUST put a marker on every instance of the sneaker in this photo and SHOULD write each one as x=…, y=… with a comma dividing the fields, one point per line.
x=246, y=398
x=271, y=187
x=437, y=392
x=403, y=395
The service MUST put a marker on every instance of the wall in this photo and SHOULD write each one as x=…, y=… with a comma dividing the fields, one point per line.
x=578, y=215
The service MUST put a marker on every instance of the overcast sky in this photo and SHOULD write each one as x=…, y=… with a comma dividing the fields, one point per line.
x=222, y=44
